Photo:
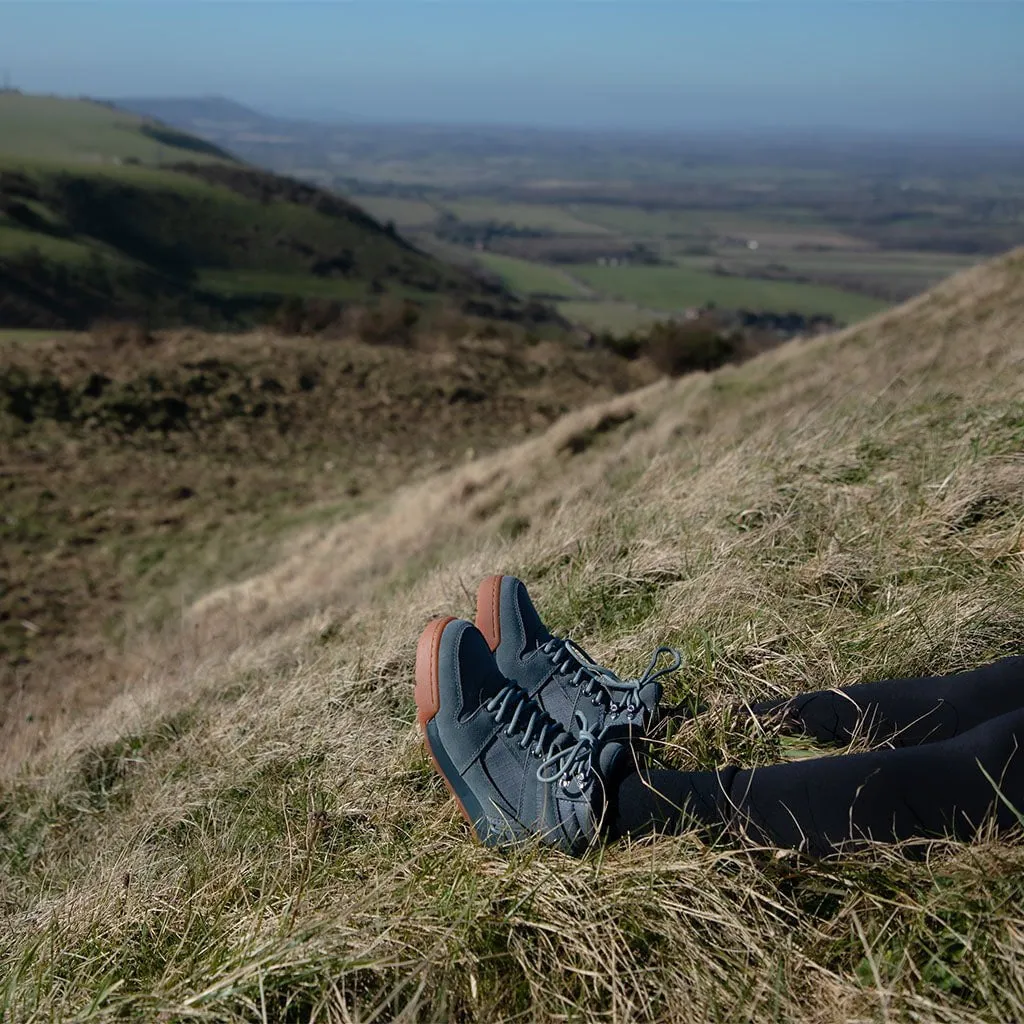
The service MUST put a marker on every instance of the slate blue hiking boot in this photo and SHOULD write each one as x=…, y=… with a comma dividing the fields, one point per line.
x=558, y=674
x=515, y=773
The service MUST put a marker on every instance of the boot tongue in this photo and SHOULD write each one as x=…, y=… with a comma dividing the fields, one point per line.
x=535, y=633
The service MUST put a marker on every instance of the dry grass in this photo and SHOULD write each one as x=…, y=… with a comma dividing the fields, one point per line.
x=252, y=832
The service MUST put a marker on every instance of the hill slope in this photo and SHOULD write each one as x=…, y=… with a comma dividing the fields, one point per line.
x=138, y=470
x=84, y=131
x=253, y=830
x=86, y=232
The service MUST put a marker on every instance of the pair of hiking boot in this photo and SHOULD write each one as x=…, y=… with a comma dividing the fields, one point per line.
x=525, y=729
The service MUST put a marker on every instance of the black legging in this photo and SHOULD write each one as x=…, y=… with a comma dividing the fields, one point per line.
x=943, y=735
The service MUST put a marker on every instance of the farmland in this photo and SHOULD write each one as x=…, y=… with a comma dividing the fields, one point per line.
x=530, y=278
x=674, y=288
x=769, y=236
x=635, y=225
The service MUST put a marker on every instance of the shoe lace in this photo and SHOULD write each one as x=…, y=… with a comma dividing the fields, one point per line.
x=601, y=684
x=561, y=756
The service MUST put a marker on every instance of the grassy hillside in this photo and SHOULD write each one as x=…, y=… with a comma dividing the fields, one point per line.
x=251, y=830
x=83, y=131
x=91, y=227
x=675, y=287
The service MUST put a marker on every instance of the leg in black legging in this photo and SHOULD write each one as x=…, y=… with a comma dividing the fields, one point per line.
x=905, y=712
x=936, y=790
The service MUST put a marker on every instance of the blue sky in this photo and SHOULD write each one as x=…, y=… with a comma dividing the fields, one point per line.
x=890, y=65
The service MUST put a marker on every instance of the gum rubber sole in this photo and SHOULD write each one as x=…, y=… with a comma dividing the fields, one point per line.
x=428, y=703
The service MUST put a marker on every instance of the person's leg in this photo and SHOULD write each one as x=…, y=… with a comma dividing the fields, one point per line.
x=818, y=806
x=905, y=712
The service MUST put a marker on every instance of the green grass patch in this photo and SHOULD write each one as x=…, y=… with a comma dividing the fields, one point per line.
x=16, y=242
x=81, y=131
x=529, y=278
x=674, y=222
x=675, y=288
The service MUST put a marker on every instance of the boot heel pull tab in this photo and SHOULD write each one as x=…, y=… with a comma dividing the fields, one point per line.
x=488, y=611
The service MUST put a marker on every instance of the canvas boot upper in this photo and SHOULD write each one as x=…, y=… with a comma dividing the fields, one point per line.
x=515, y=772
x=558, y=673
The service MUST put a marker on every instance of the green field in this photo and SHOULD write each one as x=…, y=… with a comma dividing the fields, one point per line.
x=669, y=222
x=846, y=277
x=880, y=273
x=675, y=288
x=536, y=217
x=845, y=262
x=81, y=131
x=529, y=278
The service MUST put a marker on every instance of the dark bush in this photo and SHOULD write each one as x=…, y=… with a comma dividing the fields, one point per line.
x=308, y=316
x=166, y=136
x=629, y=346
x=678, y=348
x=390, y=322
x=121, y=333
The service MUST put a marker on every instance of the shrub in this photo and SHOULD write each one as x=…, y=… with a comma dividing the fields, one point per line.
x=629, y=346
x=308, y=316
x=121, y=333
x=678, y=348
x=389, y=322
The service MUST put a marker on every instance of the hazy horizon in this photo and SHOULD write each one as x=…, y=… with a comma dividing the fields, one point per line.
x=932, y=69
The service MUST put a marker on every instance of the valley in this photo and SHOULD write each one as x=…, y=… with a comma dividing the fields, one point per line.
x=617, y=229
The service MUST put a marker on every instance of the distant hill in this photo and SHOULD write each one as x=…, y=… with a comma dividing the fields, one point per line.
x=107, y=214
x=211, y=109
x=231, y=125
